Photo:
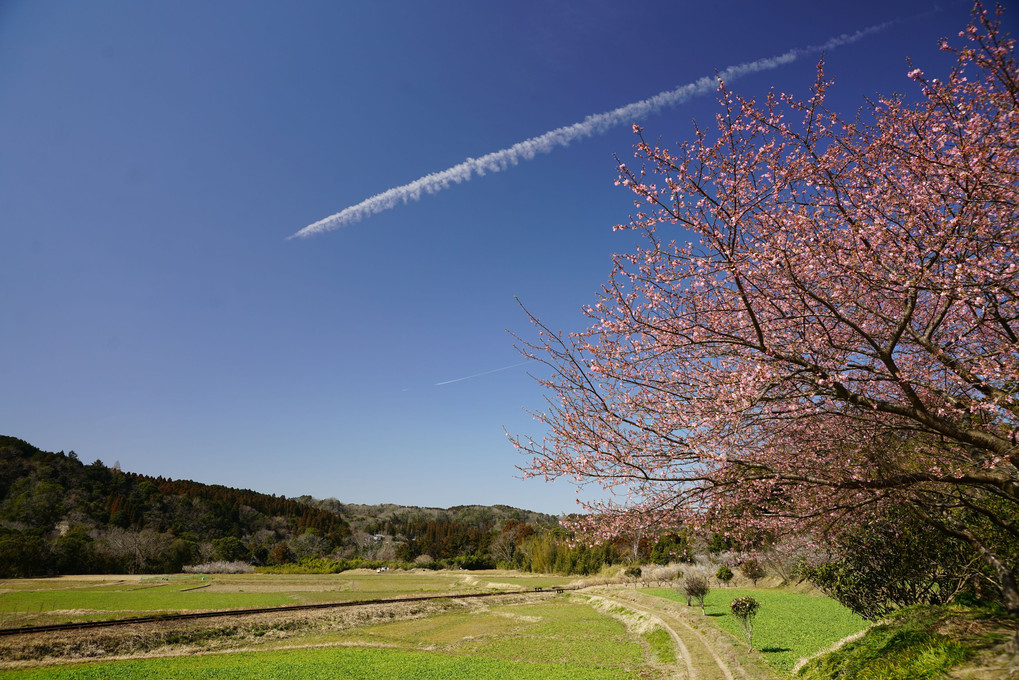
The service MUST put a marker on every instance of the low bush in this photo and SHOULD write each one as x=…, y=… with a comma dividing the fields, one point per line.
x=696, y=589
x=895, y=562
x=745, y=610
x=751, y=568
x=325, y=565
x=219, y=567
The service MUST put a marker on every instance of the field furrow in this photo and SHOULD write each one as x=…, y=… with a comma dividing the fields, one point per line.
x=708, y=655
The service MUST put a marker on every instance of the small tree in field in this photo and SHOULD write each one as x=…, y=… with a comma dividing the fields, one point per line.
x=822, y=323
x=745, y=609
x=696, y=588
x=724, y=575
x=752, y=569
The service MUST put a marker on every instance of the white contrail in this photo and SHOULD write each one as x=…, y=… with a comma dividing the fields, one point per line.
x=478, y=375
x=593, y=124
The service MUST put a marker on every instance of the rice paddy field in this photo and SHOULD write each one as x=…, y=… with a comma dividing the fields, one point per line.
x=325, y=664
x=526, y=635
x=65, y=599
x=532, y=636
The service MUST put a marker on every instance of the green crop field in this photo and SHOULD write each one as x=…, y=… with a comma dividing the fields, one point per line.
x=553, y=638
x=789, y=625
x=557, y=631
x=526, y=636
x=105, y=602
x=320, y=664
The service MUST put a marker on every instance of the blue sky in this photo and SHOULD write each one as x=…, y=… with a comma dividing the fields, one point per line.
x=155, y=157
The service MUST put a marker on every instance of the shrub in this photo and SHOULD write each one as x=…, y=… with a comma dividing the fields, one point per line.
x=325, y=565
x=696, y=588
x=745, y=609
x=219, y=567
x=724, y=575
x=752, y=569
x=476, y=561
x=891, y=563
x=660, y=575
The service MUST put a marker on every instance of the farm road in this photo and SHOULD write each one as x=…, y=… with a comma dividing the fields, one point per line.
x=706, y=655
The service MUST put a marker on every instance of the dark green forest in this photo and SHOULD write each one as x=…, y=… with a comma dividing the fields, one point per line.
x=59, y=515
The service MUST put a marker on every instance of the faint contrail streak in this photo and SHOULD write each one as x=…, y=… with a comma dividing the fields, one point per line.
x=478, y=375
x=592, y=125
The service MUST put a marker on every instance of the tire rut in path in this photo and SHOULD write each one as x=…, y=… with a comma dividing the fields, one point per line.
x=699, y=657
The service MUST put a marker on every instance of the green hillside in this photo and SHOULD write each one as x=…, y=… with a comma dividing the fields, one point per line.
x=59, y=515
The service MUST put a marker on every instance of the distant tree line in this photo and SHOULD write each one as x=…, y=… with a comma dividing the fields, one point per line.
x=59, y=515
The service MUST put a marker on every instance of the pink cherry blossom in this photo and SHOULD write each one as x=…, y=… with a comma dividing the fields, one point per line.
x=841, y=332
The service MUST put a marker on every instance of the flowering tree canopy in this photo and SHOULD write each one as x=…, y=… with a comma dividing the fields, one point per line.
x=840, y=334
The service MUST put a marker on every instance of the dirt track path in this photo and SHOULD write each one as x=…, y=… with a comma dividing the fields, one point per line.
x=704, y=655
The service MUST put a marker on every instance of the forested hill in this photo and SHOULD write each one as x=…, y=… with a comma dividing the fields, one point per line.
x=59, y=515
x=383, y=518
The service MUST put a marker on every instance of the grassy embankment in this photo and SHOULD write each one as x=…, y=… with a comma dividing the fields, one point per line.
x=919, y=643
x=922, y=643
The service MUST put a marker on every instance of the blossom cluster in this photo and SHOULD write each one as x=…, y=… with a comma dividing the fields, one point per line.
x=841, y=332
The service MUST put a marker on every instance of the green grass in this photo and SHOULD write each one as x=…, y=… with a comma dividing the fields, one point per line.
x=556, y=638
x=167, y=598
x=559, y=637
x=321, y=664
x=789, y=626
x=558, y=631
x=917, y=643
x=564, y=632
x=25, y=602
x=662, y=646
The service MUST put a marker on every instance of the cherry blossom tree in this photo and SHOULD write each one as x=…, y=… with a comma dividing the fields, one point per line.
x=839, y=336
